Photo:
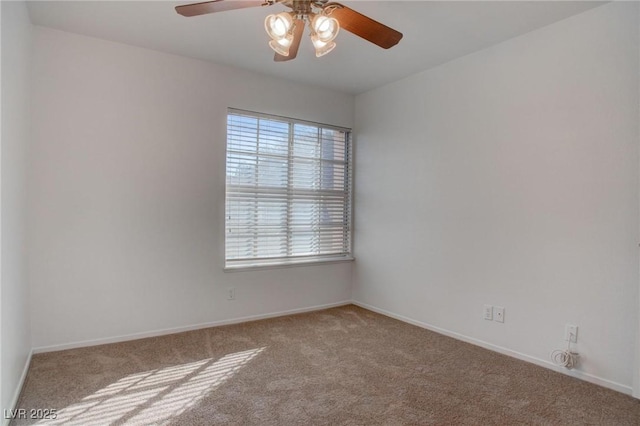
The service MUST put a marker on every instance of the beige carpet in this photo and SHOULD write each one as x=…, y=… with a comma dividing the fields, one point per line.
x=344, y=366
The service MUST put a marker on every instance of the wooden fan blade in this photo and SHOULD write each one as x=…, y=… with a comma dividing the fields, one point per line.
x=363, y=26
x=203, y=8
x=295, y=44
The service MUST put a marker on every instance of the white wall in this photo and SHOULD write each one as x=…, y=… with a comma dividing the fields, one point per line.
x=510, y=177
x=636, y=376
x=127, y=207
x=15, y=319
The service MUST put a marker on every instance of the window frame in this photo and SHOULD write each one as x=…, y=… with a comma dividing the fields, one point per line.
x=262, y=263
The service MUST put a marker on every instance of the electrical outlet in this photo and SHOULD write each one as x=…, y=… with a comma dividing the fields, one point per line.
x=498, y=313
x=571, y=333
x=488, y=312
x=231, y=293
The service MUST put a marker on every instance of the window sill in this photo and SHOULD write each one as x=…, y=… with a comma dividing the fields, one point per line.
x=290, y=264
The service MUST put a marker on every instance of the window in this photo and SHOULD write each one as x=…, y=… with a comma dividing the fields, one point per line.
x=288, y=191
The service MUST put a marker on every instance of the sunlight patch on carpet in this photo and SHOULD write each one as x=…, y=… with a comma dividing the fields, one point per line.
x=156, y=396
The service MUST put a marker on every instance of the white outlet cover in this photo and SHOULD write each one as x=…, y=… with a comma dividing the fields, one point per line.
x=488, y=312
x=498, y=313
x=571, y=333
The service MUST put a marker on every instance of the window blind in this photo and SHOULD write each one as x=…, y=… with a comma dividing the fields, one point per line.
x=288, y=192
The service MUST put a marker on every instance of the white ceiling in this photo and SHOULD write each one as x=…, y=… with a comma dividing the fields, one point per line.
x=434, y=33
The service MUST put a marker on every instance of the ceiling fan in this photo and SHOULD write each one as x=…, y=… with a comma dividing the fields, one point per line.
x=323, y=17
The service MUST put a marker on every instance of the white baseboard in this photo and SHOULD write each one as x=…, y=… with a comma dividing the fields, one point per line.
x=18, y=390
x=541, y=362
x=514, y=354
x=155, y=333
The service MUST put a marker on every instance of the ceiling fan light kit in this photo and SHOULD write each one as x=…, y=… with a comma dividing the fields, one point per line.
x=323, y=30
x=323, y=19
x=280, y=29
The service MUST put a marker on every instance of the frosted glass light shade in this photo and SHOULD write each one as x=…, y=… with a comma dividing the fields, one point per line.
x=322, y=47
x=278, y=26
x=281, y=46
x=325, y=28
